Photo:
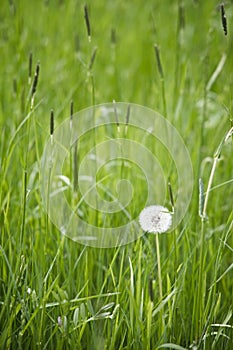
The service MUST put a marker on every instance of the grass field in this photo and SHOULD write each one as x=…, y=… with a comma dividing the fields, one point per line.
x=170, y=56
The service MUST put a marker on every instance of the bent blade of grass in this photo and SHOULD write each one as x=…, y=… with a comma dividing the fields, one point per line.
x=171, y=346
x=217, y=71
x=164, y=302
x=77, y=300
x=54, y=260
x=224, y=273
x=221, y=325
x=219, y=333
x=132, y=291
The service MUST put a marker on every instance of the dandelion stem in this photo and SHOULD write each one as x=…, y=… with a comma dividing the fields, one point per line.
x=159, y=280
x=159, y=266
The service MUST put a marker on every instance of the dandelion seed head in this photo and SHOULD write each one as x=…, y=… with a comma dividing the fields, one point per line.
x=155, y=219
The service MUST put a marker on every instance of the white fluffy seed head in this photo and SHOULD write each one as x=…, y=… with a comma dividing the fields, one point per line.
x=155, y=219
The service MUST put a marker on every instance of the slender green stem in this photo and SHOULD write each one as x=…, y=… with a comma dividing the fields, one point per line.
x=164, y=98
x=159, y=281
x=159, y=266
x=209, y=187
x=216, y=158
x=25, y=175
x=161, y=74
x=199, y=302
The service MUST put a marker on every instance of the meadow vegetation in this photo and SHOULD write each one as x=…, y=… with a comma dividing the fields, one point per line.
x=170, y=56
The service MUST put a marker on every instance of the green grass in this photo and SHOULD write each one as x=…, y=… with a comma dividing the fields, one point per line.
x=58, y=294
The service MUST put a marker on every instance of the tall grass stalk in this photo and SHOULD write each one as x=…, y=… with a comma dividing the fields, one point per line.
x=162, y=81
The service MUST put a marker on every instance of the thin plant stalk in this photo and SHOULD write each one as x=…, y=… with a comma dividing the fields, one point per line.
x=203, y=214
x=25, y=171
x=216, y=158
x=179, y=52
x=161, y=74
x=199, y=301
x=159, y=281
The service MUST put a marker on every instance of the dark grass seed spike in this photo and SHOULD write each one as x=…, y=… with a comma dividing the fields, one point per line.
x=36, y=78
x=158, y=60
x=224, y=19
x=71, y=113
x=51, y=122
x=14, y=86
x=128, y=115
x=86, y=16
x=181, y=16
x=113, y=36
x=75, y=169
x=127, y=119
x=71, y=109
x=171, y=195
x=38, y=69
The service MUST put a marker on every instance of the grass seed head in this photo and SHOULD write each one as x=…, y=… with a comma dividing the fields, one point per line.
x=113, y=36
x=15, y=87
x=51, y=122
x=36, y=78
x=171, y=195
x=224, y=19
x=181, y=22
x=158, y=60
x=128, y=115
x=86, y=16
x=71, y=109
